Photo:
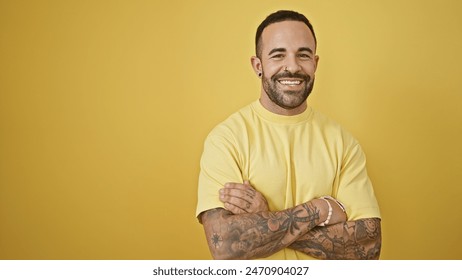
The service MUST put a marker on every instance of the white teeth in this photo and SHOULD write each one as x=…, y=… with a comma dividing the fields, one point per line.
x=289, y=82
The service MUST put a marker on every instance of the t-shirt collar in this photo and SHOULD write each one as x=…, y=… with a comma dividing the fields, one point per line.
x=282, y=119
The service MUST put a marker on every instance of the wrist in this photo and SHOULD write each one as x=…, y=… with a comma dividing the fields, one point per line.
x=322, y=208
x=329, y=212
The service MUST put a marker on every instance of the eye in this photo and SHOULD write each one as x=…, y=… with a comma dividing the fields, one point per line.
x=277, y=56
x=304, y=56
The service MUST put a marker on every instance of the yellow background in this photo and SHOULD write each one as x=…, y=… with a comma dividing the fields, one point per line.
x=104, y=107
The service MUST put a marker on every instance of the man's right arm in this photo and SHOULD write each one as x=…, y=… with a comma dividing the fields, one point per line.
x=257, y=235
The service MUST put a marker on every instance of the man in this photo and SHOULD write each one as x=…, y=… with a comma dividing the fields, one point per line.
x=279, y=180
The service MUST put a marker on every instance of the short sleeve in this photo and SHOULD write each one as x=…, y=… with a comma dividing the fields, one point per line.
x=219, y=164
x=355, y=188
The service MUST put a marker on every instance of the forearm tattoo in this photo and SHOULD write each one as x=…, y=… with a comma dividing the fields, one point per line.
x=359, y=239
x=249, y=236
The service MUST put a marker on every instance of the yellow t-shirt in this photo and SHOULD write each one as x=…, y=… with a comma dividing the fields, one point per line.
x=289, y=159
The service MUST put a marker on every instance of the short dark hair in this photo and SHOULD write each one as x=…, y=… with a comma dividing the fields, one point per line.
x=282, y=15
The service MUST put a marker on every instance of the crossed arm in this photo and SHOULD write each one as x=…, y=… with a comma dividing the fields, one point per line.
x=247, y=230
x=352, y=240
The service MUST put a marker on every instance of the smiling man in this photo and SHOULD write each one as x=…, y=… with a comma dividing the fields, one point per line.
x=278, y=179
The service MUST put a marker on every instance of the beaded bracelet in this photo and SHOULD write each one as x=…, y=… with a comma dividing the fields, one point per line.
x=329, y=215
x=336, y=201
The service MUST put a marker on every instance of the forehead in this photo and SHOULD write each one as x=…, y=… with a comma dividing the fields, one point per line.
x=288, y=35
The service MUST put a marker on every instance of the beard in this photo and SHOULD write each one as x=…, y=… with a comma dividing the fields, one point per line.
x=287, y=99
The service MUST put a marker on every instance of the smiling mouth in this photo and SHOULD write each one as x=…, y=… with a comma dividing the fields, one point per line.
x=290, y=82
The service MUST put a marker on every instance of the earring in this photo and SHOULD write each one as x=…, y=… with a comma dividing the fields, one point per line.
x=259, y=74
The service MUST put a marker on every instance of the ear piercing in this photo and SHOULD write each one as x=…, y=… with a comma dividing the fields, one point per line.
x=259, y=74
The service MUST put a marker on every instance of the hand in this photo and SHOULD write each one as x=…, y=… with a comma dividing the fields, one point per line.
x=242, y=198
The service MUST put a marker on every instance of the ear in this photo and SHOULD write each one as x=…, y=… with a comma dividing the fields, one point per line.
x=316, y=61
x=256, y=65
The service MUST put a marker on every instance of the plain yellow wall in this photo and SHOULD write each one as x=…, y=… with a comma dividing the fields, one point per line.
x=104, y=107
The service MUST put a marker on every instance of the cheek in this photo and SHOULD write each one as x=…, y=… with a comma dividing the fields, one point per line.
x=271, y=69
x=309, y=68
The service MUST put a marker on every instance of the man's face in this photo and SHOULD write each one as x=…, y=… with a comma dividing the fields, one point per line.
x=288, y=63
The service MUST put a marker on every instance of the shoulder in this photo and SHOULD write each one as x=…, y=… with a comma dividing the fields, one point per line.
x=331, y=129
x=227, y=139
x=234, y=124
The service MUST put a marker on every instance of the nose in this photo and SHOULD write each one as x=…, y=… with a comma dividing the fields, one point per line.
x=292, y=64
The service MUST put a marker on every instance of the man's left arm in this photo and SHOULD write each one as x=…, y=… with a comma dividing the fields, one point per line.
x=357, y=240
x=351, y=240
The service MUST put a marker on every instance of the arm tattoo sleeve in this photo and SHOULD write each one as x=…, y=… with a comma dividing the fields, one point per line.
x=359, y=239
x=249, y=236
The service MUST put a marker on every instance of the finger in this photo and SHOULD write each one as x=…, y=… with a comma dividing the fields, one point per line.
x=244, y=194
x=245, y=186
x=238, y=202
x=238, y=191
x=234, y=209
x=249, y=186
x=247, y=189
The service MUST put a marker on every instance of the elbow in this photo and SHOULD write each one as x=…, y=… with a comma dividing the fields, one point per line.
x=224, y=252
x=374, y=248
x=217, y=256
x=372, y=228
x=377, y=244
x=368, y=240
x=228, y=250
x=370, y=251
x=374, y=252
x=220, y=242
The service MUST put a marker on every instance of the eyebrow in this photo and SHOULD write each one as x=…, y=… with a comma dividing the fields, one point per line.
x=303, y=49
x=276, y=50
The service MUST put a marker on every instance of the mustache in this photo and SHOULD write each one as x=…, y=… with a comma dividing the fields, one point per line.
x=290, y=75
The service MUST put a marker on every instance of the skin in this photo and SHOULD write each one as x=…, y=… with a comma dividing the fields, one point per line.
x=286, y=45
x=341, y=239
x=243, y=198
x=245, y=228
x=261, y=234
